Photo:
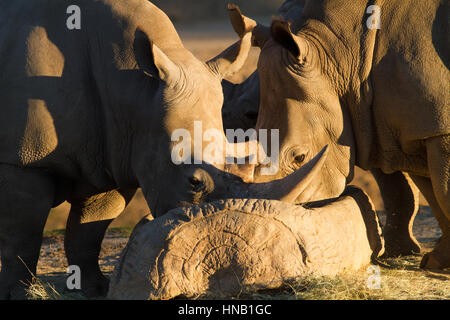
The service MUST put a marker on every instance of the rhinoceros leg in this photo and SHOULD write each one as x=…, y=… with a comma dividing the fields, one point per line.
x=401, y=201
x=86, y=226
x=438, y=154
x=439, y=258
x=26, y=197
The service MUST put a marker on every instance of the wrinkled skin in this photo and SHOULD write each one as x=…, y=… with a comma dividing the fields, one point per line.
x=400, y=195
x=87, y=116
x=366, y=93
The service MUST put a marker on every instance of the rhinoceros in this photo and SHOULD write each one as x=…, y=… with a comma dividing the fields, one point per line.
x=372, y=81
x=226, y=247
x=90, y=96
x=241, y=102
x=400, y=195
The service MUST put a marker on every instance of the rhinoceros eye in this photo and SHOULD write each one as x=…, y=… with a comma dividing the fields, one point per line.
x=293, y=158
x=299, y=158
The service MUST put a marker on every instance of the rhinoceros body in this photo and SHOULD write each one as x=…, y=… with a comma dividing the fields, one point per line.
x=376, y=93
x=400, y=195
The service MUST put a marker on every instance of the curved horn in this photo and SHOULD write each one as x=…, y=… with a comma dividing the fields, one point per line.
x=289, y=188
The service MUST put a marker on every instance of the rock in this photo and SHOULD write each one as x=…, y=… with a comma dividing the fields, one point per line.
x=229, y=246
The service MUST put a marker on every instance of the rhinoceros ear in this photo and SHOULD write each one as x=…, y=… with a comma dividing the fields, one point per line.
x=153, y=61
x=232, y=59
x=282, y=34
x=242, y=24
x=168, y=71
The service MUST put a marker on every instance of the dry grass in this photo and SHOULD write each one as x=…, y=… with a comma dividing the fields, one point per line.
x=401, y=279
x=43, y=290
x=403, y=282
x=40, y=290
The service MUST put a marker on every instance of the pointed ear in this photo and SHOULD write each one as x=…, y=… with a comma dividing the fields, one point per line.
x=153, y=61
x=233, y=59
x=168, y=71
x=242, y=24
x=282, y=34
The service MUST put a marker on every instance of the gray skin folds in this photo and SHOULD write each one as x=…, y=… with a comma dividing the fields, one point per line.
x=227, y=246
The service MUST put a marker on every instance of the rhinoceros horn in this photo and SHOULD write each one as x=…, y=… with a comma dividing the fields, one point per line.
x=289, y=188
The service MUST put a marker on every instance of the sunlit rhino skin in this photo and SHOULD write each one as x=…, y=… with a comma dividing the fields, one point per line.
x=87, y=116
x=399, y=193
x=232, y=246
x=378, y=97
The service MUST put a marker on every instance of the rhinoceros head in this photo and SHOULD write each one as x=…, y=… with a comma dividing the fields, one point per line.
x=300, y=98
x=185, y=158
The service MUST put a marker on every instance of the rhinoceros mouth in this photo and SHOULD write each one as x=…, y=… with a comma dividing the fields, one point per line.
x=224, y=247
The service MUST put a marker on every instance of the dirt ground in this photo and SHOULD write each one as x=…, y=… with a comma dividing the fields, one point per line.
x=205, y=41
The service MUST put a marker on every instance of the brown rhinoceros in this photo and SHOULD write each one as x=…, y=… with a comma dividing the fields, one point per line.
x=223, y=248
x=372, y=81
x=91, y=95
x=399, y=193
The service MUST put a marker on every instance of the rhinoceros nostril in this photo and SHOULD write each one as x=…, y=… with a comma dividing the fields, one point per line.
x=194, y=181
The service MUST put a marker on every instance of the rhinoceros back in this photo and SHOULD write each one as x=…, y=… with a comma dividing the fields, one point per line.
x=55, y=81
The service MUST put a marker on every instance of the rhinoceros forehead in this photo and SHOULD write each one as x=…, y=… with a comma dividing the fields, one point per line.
x=195, y=91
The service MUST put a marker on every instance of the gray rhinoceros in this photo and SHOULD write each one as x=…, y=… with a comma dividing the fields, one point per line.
x=223, y=248
x=399, y=193
x=90, y=96
x=379, y=97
